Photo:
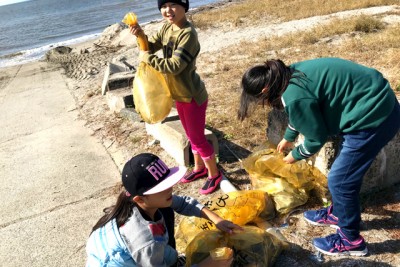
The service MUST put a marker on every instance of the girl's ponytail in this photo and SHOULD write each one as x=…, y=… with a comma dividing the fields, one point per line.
x=121, y=211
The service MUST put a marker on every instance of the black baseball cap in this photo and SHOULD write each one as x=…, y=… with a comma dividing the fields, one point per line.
x=147, y=174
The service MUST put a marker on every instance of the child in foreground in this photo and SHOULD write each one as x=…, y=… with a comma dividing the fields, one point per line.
x=180, y=46
x=139, y=229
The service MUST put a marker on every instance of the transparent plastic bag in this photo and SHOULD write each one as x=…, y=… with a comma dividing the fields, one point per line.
x=288, y=184
x=252, y=246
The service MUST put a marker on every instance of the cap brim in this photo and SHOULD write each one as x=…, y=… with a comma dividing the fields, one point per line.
x=175, y=175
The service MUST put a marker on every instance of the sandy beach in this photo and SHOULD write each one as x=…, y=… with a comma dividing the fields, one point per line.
x=71, y=94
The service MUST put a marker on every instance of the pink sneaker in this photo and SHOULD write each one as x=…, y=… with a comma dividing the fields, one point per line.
x=193, y=175
x=211, y=184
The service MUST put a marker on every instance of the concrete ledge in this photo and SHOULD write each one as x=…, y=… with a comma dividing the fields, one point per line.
x=173, y=140
x=119, y=99
x=383, y=173
x=116, y=76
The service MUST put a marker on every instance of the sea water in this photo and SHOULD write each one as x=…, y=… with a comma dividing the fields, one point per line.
x=29, y=28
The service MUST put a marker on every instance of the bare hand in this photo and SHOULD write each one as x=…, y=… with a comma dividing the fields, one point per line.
x=284, y=144
x=289, y=158
x=136, y=30
x=227, y=226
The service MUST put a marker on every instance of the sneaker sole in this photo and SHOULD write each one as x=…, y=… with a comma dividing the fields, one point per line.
x=322, y=224
x=360, y=253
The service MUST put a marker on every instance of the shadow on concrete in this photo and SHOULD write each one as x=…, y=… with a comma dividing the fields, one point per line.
x=229, y=152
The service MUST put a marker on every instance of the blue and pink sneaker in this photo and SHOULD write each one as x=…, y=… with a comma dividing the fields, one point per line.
x=339, y=244
x=322, y=217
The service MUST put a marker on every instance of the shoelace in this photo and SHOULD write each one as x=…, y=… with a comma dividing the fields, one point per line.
x=335, y=240
x=323, y=213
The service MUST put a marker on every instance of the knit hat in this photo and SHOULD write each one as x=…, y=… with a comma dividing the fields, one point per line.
x=147, y=174
x=184, y=3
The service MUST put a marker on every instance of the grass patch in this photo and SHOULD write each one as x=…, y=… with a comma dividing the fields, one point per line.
x=368, y=24
x=252, y=12
x=363, y=39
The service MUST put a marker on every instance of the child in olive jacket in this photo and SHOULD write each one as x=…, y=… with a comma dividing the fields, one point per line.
x=179, y=43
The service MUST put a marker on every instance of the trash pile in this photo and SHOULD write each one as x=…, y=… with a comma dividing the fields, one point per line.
x=289, y=185
x=278, y=188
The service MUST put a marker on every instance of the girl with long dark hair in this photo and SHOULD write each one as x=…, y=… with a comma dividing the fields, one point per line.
x=324, y=97
x=139, y=229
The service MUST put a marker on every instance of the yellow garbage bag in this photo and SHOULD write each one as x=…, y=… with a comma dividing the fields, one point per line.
x=288, y=184
x=151, y=94
x=240, y=207
x=252, y=246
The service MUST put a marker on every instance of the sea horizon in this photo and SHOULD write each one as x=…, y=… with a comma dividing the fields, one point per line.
x=30, y=28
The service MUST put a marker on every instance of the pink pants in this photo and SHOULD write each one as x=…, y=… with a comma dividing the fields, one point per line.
x=193, y=118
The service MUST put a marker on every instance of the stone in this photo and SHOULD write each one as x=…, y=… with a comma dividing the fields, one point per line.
x=173, y=140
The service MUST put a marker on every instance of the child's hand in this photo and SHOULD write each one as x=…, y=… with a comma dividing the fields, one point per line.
x=227, y=226
x=221, y=224
x=289, y=158
x=136, y=30
x=283, y=144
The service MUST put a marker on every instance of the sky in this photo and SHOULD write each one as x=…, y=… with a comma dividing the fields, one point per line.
x=8, y=2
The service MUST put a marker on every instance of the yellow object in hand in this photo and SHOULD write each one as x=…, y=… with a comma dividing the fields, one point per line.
x=130, y=19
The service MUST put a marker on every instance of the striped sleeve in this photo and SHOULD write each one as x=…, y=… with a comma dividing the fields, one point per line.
x=179, y=52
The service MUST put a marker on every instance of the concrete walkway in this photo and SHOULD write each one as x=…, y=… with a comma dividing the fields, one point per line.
x=55, y=177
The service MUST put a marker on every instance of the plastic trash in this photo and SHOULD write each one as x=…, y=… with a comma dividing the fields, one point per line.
x=130, y=19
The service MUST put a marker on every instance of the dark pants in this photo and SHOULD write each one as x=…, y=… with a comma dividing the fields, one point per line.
x=358, y=151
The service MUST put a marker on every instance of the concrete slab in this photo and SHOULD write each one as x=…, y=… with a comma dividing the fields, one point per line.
x=117, y=76
x=54, y=173
x=54, y=238
x=119, y=99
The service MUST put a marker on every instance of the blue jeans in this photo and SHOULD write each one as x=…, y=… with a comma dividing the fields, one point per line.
x=358, y=151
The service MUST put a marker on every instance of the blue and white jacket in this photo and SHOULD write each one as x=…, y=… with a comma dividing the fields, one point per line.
x=138, y=242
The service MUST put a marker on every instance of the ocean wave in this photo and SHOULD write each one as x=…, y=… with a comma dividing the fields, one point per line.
x=35, y=54
x=69, y=34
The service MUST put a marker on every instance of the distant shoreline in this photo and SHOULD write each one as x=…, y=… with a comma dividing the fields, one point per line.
x=37, y=53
